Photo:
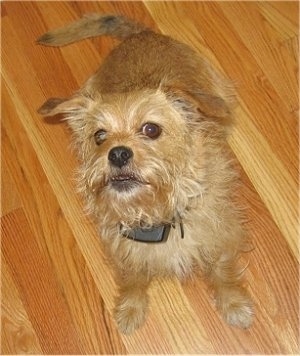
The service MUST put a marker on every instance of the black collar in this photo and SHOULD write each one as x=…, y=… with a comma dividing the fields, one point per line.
x=157, y=233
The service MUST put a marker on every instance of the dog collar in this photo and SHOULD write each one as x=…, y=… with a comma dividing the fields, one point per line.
x=158, y=233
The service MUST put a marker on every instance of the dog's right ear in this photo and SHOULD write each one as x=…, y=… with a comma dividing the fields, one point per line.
x=77, y=104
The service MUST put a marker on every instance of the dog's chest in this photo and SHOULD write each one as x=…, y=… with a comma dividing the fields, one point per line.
x=176, y=256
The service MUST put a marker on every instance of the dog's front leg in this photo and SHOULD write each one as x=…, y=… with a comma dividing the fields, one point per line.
x=132, y=302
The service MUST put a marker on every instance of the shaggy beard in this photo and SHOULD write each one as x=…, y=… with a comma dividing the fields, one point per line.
x=167, y=196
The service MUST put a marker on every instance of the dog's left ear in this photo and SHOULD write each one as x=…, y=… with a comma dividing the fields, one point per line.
x=75, y=105
x=199, y=106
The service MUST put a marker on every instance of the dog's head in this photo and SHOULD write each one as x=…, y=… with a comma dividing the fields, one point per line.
x=142, y=152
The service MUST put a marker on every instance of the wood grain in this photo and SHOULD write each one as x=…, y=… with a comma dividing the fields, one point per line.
x=58, y=287
x=18, y=334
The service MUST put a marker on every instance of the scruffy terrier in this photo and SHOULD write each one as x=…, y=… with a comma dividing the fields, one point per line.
x=150, y=127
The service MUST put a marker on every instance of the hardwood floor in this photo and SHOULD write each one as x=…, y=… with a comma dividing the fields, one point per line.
x=57, y=286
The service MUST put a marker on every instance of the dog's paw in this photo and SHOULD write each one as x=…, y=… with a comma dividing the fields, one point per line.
x=130, y=314
x=236, y=308
x=240, y=315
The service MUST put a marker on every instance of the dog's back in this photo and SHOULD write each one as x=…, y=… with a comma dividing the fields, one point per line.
x=149, y=60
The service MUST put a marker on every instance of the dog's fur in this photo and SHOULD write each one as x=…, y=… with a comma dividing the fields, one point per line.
x=183, y=174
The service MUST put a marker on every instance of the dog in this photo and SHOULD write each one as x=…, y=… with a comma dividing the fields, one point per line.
x=150, y=127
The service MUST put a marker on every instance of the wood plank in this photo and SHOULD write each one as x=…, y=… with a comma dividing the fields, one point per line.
x=283, y=21
x=273, y=59
x=267, y=173
x=173, y=309
x=281, y=24
x=18, y=335
x=35, y=279
x=9, y=196
x=288, y=9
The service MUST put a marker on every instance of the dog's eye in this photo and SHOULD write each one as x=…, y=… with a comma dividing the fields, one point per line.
x=100, y=136
x=151, y=130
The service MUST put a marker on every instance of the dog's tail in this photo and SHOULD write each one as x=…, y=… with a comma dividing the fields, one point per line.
x=91, y=25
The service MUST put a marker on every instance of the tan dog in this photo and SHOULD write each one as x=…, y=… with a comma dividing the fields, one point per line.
x=150, y=128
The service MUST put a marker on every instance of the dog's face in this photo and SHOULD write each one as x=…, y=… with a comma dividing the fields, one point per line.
x=141, y=152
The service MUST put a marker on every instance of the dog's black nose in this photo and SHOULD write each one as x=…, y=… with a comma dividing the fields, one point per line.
x=120, y=155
